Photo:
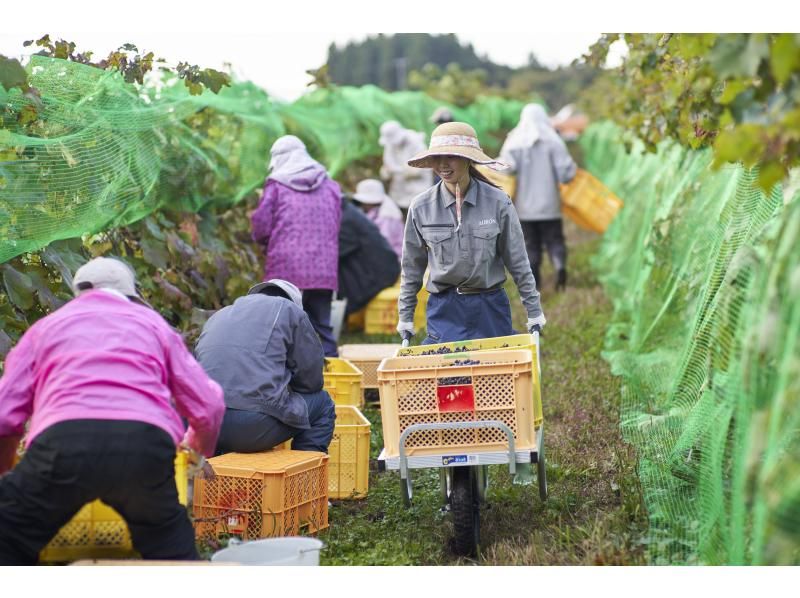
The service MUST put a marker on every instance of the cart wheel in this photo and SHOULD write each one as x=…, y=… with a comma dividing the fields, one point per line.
x=466, y=512
x=541, y=474
x=405, y=492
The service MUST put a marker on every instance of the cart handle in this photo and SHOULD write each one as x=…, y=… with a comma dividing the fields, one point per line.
x=404, y=472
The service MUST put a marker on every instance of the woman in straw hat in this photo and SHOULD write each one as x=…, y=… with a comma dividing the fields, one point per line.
x=466, y=231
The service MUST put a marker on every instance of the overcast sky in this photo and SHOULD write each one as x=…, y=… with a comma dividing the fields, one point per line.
x=277, y=61
x=256, y=38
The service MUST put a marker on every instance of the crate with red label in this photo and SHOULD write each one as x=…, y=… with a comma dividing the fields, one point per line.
x=458, y=387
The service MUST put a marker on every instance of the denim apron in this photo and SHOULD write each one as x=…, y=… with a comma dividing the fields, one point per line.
x=456, y=317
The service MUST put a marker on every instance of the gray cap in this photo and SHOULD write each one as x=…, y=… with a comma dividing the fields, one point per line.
x=105, y=273
x=285, y=289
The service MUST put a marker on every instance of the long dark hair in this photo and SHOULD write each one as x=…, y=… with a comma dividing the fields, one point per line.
x=474, y=173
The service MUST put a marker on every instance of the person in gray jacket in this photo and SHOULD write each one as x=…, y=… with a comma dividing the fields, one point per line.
x=539, y=157
x=268, y=359
x=465, y=230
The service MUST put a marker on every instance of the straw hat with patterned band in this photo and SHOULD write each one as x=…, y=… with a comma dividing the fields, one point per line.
x=455, y=139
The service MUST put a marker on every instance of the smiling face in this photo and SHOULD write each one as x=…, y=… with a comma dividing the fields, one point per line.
x=452, y=170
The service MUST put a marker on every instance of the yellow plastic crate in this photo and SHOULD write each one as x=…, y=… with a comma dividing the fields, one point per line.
x=355, y=321
x=262, y=495
x=589, y=203
x=98, y=532
x=343, y=382
x=499, y=343
x=507, y=182
x=382, y=314
x=348, y=468
x=367, y=358
x=435, y=389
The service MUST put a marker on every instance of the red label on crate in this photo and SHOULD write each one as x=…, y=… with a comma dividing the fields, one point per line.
x=456, y=397
x=236, y=524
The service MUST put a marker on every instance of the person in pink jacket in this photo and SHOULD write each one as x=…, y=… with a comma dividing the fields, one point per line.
x=297, y=224
x=104, y=381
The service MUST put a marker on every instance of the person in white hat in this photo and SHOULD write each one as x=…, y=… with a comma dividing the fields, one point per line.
x=466, y=231
x=381, y=210
x=105, y=383
x=400, y=144
x=264, y=352
x=541, y=160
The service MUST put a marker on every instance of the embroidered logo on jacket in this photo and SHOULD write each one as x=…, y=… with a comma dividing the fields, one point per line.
x=487, y=221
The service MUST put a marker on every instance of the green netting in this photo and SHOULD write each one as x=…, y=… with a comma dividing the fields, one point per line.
x=704, y=273
x=105, y=153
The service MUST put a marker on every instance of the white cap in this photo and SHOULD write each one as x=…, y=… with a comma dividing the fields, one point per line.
x=105, y=273
x=287, y=289
x=370, y=191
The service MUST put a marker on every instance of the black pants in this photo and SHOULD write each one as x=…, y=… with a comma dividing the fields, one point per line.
x=317, y=305
x=128, y=465
x=549, y=233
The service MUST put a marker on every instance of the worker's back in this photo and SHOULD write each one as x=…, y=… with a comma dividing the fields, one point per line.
x=263, y=351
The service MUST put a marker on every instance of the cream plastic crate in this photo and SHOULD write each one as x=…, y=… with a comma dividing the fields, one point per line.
x=421, y=390
x=367, y=358
x=497, y=343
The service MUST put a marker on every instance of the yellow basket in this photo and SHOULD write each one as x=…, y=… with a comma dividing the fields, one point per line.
x=367, y=358
x=98, y=532
x=382, y=318
x=262, y=495
x=435, y=389
x=348, y=468
x=507, y=182
x=499, y=343
x=343, y=382
x=589, y=203
x=355, y=321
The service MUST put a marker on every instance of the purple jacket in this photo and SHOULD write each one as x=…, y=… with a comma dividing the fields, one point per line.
x=298, y=226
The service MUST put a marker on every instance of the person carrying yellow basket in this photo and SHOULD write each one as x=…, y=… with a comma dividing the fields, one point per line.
x=540, y=159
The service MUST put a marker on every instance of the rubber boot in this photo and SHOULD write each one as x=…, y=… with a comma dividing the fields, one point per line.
x=561, y=280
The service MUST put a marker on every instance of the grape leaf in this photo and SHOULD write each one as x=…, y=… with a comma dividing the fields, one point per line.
x=12, y=74
x=19, y=287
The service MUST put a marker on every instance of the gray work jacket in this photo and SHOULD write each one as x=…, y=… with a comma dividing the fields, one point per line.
x=263, y=352
x=540, y=168
x=471, y=256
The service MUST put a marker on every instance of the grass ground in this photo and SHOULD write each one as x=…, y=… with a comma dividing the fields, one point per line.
x=594, y=515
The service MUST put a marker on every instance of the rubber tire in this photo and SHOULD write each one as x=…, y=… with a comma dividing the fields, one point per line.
x=466, y=513
x=541, y=474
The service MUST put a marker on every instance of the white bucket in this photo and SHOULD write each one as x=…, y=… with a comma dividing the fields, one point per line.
x=272, y=551
x=338, y=307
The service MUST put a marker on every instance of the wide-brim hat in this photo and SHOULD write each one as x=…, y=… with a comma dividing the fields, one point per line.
x=455, y=139
x=284, y=288
x=371, y=192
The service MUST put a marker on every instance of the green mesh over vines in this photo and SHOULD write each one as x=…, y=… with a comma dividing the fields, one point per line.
x=105, y=153
x=704, y=273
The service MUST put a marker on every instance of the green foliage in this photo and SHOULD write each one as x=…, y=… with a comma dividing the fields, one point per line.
x=452, y=85
x=737, y=93
x=383, y=60
x=187, y=265
x=132, y=65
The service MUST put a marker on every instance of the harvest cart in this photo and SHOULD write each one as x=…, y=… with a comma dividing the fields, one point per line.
x=461, y=407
